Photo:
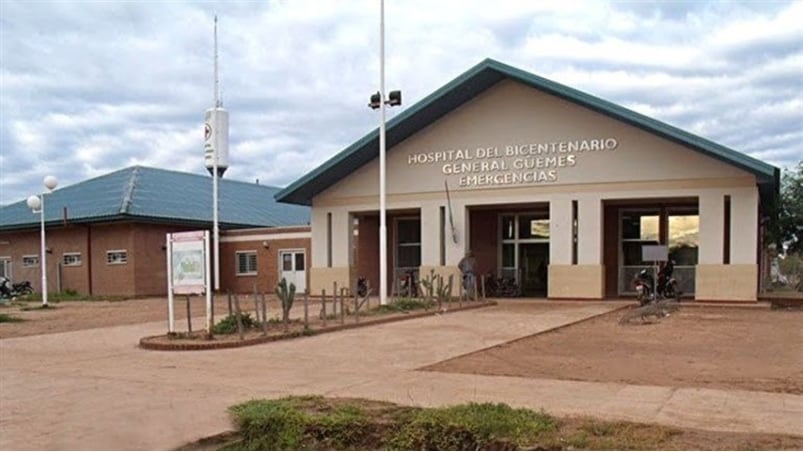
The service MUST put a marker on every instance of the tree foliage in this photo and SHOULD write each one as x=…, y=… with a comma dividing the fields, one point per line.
x=789, y=230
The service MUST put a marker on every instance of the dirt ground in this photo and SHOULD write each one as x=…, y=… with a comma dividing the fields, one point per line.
x=80, y=315
x=713, y=347
x=709, y=347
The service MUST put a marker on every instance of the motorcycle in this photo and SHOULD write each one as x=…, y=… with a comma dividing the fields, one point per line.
x=667, y=285
x=8, y=290
x=362, y=286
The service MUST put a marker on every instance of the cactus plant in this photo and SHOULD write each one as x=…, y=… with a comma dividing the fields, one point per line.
x=286, y=296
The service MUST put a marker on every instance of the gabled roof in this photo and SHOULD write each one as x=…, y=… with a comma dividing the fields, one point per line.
x=149, y=194
x=473, y=82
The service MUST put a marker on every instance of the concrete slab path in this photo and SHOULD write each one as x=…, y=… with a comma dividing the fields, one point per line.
x=94, y=389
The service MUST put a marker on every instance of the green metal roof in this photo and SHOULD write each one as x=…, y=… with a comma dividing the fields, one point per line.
x=473, y=82
x=140, y=193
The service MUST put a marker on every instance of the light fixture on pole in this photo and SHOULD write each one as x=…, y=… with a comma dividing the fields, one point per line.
x=378, y=101
x=37, y=205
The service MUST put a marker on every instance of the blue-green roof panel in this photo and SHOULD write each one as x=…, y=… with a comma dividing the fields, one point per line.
x=159, y=195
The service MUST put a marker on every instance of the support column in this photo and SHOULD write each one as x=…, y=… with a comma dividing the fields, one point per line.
x=737, y=281
x=430, y=234
x=322, y=275
x=744, y=226
x=586, y=279
x=589, y=231
x=712, y=226
x=560, y=231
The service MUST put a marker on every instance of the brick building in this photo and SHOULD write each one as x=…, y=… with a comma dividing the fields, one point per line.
x=106, y=236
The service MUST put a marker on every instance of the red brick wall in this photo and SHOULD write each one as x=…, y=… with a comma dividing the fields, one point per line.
x=367, y=263
x=267, y=263
x=113, y=279
x=484, y=240
x=150, y=269
x=60, y=240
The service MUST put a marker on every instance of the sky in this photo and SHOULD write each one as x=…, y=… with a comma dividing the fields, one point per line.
x=87, y=87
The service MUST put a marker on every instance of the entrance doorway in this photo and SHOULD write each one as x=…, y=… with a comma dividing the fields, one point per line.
x=293, y=268
x=534, y=262
x=524, y=251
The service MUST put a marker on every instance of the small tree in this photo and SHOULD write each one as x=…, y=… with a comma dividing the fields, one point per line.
x=286, y=295
x=786, y=230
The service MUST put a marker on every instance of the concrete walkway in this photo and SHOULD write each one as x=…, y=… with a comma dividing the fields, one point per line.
x=94, y=389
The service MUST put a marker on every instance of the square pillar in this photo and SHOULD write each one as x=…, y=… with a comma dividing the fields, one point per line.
x=712, y=226
x=589, y=231
x=560, y=231
x=431, y=234
x=744, y=226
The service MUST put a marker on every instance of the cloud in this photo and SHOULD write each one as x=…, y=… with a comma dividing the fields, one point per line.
x=90, y=87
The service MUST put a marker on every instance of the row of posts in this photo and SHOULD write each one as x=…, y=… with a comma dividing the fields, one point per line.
x=441, y=294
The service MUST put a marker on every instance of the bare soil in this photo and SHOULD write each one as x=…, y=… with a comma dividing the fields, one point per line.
x=709, y=347
x=80, y=315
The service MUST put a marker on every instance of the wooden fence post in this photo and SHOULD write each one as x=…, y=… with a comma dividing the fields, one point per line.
x=323, y=308
x=306, y=309
x=238, y=316
x=189, y=316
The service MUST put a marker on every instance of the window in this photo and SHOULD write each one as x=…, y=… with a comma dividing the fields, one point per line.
x=246, y=262
x=117, y=257
x=638, y=229
x=532, y=227
x=684, y=238
x=299, y=261
x=71, y=259
x=408, y=241
x=30, y=261
x=5, y=267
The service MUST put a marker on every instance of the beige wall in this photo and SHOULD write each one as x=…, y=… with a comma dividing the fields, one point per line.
x=727, y=282
x=511, y=114
x=639, y=166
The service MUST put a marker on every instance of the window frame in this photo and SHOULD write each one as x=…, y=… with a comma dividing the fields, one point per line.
x=29, y=265
x=77, y=263
x=121, y=252
x=248, y=272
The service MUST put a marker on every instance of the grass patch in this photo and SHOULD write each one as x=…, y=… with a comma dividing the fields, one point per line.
x=8, y=318
x=402, y=305
x=70, y=295
x=40, y=307
x=317, y=423
x=604, y=435
x=473, y=426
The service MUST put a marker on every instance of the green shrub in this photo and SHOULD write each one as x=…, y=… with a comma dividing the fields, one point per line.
x=228, y=325
x=473, y=426
x=7, y=318
x=404, y=305
x=294, y=423
x=269, y=425
x=345, y=427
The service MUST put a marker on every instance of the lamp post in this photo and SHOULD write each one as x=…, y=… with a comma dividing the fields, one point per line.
x=378, y=101
x=37, y=205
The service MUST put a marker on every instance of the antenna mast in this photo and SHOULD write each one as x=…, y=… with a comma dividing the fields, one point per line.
x=217, y=80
